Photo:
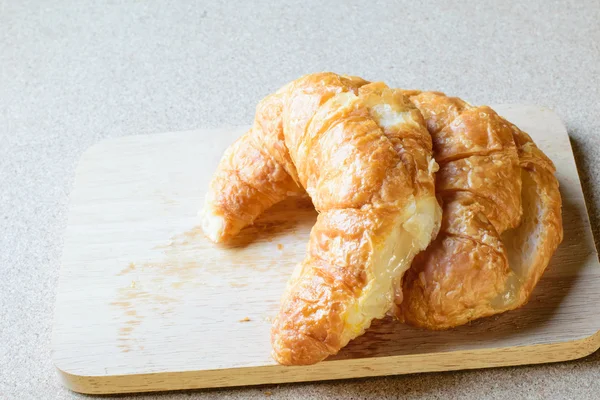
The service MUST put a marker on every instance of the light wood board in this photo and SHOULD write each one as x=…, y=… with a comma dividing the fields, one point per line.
x=146, y=303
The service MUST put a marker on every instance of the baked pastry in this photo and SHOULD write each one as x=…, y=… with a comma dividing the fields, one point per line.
x=363, y=154
x=501, y=217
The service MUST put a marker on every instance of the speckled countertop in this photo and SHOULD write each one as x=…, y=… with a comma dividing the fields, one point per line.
x=74, y=72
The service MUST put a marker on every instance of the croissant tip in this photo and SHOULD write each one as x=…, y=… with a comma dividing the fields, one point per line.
x=213, y=225
x=294, y=348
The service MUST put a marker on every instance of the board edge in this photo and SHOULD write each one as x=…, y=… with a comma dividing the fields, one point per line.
x=332, y=370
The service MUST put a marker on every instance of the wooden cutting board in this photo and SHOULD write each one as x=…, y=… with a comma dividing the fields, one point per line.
x=146, y=303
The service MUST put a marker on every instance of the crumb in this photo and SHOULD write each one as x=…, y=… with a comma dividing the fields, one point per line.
x=279, y=246
x=245, y=319
x=268, y=393
x=133, y=284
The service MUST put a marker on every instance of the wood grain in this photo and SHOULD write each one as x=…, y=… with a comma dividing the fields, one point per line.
x=146, y=303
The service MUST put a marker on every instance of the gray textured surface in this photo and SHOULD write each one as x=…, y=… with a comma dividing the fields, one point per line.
x=72, y=73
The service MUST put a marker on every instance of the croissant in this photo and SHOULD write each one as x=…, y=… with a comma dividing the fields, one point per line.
x=363, y=154
x=501, y=217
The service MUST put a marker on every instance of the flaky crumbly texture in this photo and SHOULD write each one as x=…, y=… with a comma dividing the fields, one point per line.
x=501, y=217
x=363, y=154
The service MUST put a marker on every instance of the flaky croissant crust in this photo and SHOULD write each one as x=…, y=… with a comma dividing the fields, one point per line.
x=501, y=217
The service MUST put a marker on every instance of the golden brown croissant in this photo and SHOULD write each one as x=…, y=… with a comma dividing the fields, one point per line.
x=501, y=217
x=363, y=154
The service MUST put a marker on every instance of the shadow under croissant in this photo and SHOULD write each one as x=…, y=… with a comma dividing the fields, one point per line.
x=293, y=214
x=585, y=165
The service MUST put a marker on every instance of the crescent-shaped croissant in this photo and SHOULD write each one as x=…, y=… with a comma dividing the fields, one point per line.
x=362, y=152
x=501, y=217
